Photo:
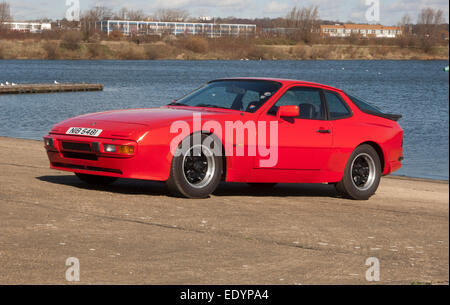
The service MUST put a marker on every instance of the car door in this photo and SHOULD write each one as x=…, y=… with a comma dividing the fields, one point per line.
x=344, y=130
x=304, y=142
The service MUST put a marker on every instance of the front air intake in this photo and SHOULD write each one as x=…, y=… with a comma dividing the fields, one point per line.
x=76, y=146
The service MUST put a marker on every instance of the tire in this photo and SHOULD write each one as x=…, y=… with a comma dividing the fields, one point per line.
x=196, y=169
x=362, y=174
x=262, y=185
x=96, y=180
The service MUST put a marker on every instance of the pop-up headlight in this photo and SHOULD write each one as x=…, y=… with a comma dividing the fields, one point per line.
x=110, y=148
x=49, y=142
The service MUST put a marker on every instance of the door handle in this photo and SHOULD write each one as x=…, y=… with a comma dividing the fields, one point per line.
x=324, y=131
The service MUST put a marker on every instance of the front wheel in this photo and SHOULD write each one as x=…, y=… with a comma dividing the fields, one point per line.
x=362, y=174
x=96, y=180
x=196, y=169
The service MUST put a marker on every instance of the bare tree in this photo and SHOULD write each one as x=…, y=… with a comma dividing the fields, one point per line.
x=428, y=26
x=5, y=14
x=98, y=13
x=405, y=24
x=136, y=15
x=429, y=21
x=90, y=18
x=122, y=14
x=305, y=20
x=171, y=15
x=127, y=14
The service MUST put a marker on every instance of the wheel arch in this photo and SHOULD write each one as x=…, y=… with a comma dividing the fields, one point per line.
x=379, y=151
x=223, y=157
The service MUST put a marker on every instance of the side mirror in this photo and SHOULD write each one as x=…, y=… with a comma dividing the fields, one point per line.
x=288, y=112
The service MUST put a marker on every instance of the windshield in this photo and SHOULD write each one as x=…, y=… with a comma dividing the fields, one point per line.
x=241, y=95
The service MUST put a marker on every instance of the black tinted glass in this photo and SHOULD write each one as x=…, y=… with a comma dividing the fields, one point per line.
x=242, y=95
x=336, y=106
x=363, y=105
x=308, y=101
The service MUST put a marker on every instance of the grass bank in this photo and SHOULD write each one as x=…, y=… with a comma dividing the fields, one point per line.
x=197, y=48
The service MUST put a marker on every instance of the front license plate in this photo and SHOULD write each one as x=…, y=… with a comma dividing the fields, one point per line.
x=80, y=131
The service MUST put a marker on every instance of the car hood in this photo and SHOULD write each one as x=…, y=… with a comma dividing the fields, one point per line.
x=132, y=123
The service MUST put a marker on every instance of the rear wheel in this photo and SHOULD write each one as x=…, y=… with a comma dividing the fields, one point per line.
x=196, y=169
x=362, y=174
x=96, y=180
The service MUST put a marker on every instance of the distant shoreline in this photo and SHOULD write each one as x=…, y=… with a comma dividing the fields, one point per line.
x=410, y=178
x=198, y=49
x=56, y=60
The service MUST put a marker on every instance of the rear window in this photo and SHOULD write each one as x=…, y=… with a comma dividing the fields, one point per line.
x=364, y=105
x=369, y=109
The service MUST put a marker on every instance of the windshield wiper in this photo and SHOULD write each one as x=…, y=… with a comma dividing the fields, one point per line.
x=176, y=104
x=199, y=105
x=210, y=106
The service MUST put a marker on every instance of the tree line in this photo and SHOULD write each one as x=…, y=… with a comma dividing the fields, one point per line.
x=304, y=22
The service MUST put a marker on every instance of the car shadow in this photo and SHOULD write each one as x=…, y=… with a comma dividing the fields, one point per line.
x=121, y=186
x=280, y=190
x=143, y=187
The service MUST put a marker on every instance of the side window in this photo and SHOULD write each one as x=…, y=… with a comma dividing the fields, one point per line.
x=336, y=106
x=251, y=101
x=308, y=101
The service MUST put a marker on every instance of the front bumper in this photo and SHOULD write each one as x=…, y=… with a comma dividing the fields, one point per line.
x=87, y=155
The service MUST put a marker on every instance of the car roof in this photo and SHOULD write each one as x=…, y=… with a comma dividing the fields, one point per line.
x=280, y=80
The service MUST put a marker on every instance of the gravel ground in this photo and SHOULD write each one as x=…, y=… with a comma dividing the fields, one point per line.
x=132, y=232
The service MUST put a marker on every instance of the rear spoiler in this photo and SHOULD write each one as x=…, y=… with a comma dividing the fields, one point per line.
x=389, y=116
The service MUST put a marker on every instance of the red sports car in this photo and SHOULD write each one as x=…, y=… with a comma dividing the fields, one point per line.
x=252, y=130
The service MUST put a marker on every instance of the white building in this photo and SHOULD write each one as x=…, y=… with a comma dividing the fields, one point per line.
x=176, y=28
x=205, y=18
x=29, y=27
x=362, y=30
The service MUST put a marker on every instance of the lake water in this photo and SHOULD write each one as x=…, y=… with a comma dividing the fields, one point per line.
x=417, y=89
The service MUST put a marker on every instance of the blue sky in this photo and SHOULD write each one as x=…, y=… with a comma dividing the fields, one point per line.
x=349, y=10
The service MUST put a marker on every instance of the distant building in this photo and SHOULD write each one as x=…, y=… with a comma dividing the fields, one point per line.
x=28, y=27
x=361, y=30
x=205, y=18
x=443, y=34
x=280, y=31
x=176, y=28
x=66, y=25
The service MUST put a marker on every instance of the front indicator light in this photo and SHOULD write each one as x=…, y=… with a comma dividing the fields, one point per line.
x=125, y=149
